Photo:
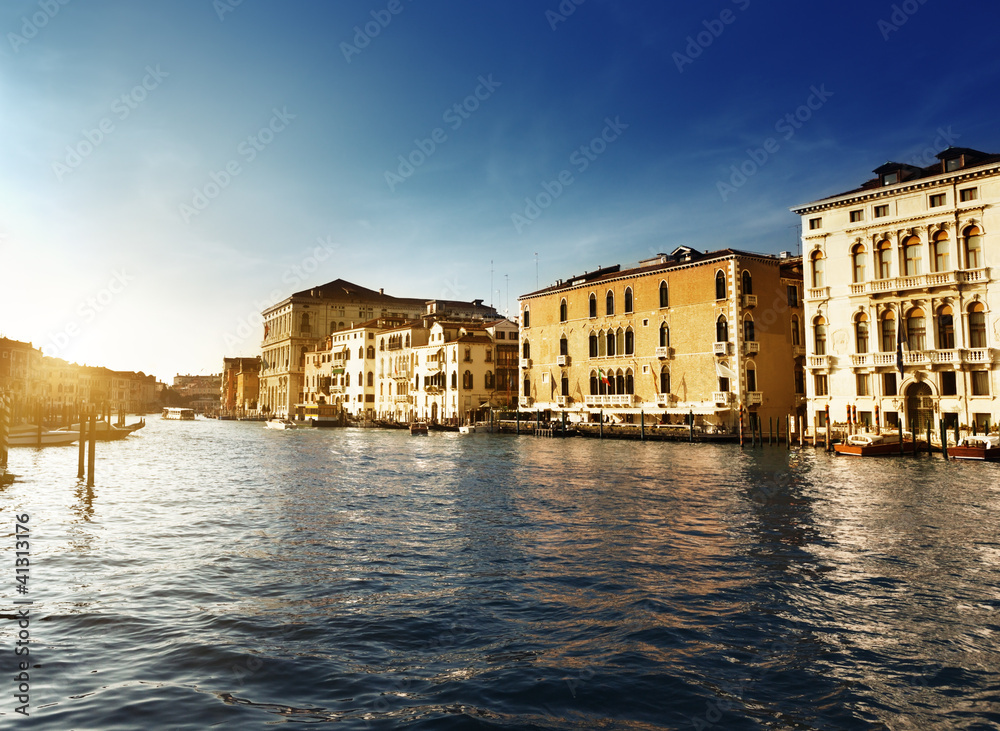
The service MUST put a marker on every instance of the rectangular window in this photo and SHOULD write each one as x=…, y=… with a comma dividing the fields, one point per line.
x=751, y=379
x=815, y=223
x=793, y=295
x=865, y=418
x=980, y=383
x=890, y=178
x=968, y=194
x=889, y=384
x=982, y=422
x=953, y=164
x=820, y=384
x=948, y=383
x=857, y=216
x=938, y=199
x=881, y=211
x=723, y=383
x=862, y=384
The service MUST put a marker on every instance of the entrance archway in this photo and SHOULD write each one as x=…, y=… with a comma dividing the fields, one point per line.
x=919, y=407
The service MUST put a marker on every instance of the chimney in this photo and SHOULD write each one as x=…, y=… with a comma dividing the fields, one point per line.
x=381, y=290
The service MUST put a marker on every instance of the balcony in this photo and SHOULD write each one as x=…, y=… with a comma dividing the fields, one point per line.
x=721, y=398
x=749, y=300
x=525, y=362
x=977, y=355
x=562, y=360
x=922, y=281
x=431, y=388
x=755, y=398
x=819, y=361
x=402, y=374
x=751, y=346
x=722, y=348
x=818, y=293
x=615, y=399
x=564, y=401
x=798, y=351
x=525, y=401
x=336, y=388
x=432, y=366
x=665, y=352
x=861, y=360
x=665, y=399
x=401, y=398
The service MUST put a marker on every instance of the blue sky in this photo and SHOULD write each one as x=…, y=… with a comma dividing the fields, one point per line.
x=170, y=167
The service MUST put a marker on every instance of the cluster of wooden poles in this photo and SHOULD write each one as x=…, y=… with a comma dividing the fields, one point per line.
x=88, y=444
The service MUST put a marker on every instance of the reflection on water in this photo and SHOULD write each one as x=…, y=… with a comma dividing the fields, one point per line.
x=223, y=574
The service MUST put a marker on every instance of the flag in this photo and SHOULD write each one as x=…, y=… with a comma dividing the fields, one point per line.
x=723, y=371
x=899, y=347
x=603, y=377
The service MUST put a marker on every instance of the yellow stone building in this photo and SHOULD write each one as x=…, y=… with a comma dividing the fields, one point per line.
x=902, y=264
x=685, y=333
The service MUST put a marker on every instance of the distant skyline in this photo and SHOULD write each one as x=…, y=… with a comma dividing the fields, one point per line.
x=172, y=168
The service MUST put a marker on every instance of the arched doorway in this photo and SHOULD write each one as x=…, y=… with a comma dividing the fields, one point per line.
x=919, y=407
x=434, y=412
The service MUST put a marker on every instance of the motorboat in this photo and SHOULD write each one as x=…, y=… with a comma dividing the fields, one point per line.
x=982, y=447
x=467, y=429
x=105, y=432
x=174, y=413
x=871, y=445
x=418, y=427
x=280, y=424
x=30, y=436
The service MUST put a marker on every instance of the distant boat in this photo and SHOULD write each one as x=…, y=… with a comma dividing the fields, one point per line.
x=280, y=424
x=174, y=413
x=418, y=427
x=467, y=429
x=871, y=445
x=982, y=447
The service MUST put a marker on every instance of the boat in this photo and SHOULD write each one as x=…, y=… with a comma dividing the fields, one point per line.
x=418, y=427
x=982, y=447
x=280, y=424
x=467, y=429
x=872, y=445
x=174, y=413
x=28, y=436
x=105, y=431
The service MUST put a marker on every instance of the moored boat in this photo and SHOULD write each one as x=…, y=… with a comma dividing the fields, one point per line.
x=30, y=437
x=467, y=429
x=871, y=445
x=983, y=447
x=280, y=424
x=418, y=427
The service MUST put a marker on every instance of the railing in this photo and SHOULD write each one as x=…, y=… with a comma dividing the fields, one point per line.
x=920, y=281
x=721, y=397
x=819, y=361
x=562, y=360
x=722, y=348
x=400, y=398
x=859, y=360
x=564, y=401
x=977, y=355
x=665, y=352
x=614, y=399
x=662, y=399
x=755, y=398
x=401, y=374
x=432, y=366
x=818, y=293
x=749, y=300
x=525, y=401
x=526, y=362
x=751, y=346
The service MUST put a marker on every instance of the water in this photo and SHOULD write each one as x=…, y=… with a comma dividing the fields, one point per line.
x=221, y=575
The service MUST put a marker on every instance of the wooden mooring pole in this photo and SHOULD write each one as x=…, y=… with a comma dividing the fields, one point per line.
x=82, y=444
x=91, y=452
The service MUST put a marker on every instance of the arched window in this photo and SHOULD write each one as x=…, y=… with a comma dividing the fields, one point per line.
x=454, y=379
x=888, y=332
x=371, y=351
x=593, y=383
x=620, y=382
x=818, y=269
x=796, y=337
x=527, y=387
x=664, y=295
x=748, y=329
x=526, y=318
x=619, y=341
x=973, y=248
x=720, y=286
x=467, y=380
x=593, y=304
x=526, y=349
x=628, y=300
x=381, y=344
x=490, y=380
x=751, y=371
x=721, y=329
x=859, y=258
x=629, y=342
x=416, y=381
x=912, y=264
x=664, y=335
x=407, y=340
x=602, y=342
x=611, y=342
x=361, y=353
x=563, y=346
x=306, y=327
x=747, y=282
x=563, y=314
x=945, y=329
x=941, y=252
x=861, y=333
x=593, y=345
x=609, y=303
x=564, y=384
x=371, y=378
x=629, y=381
x=883, y=259
x=347, y=380
x=819, y=331
x=916, y=330
x=977, y=326
x=664, y=380
x=468, y=354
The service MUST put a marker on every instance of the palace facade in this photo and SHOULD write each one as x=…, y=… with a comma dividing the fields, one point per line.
x=901, y=300
x=689, y=333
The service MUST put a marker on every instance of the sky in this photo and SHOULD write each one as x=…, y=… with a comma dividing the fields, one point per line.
x=169, y=168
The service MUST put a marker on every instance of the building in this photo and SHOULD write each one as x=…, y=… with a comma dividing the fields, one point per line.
x=240, y=385
x=201, y=392
x=901, y=264
x=300, y=324
x=687, y=333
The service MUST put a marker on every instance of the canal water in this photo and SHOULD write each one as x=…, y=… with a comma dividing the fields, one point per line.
x=222, y=575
